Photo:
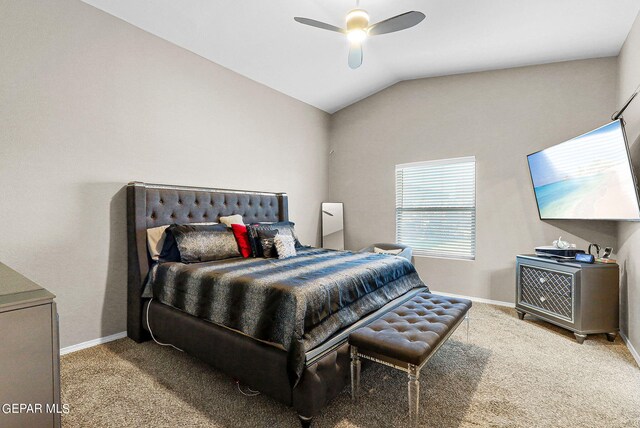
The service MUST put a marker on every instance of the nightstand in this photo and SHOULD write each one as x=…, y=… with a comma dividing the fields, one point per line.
x=580, y=297
x=29, y=354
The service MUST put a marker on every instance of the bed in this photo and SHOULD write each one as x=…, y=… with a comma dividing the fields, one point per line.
x=291, y=345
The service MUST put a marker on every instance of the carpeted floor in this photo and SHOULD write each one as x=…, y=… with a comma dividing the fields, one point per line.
x=510, y=373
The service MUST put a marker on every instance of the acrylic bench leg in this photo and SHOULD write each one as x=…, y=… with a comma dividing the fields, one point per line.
x=355, y=373
x=467, y=319
x=414, y=394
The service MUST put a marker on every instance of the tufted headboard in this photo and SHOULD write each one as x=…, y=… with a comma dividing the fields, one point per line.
x=152, y=205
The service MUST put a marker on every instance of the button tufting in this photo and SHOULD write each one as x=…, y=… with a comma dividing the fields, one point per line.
x=410, y=332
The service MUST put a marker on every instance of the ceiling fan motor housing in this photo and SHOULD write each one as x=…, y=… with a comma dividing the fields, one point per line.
x=357, y=19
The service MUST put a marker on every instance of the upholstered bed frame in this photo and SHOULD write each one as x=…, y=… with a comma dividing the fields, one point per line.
x=260, y=365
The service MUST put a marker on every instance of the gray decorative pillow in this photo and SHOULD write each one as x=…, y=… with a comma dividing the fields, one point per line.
x=285, y=246
x=283, y=228
x=267, y=242
x=205, y=243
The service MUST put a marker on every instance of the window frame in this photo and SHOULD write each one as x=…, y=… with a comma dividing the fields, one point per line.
x=448, y=161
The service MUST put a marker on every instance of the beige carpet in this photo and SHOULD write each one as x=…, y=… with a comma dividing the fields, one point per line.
x=510, y=373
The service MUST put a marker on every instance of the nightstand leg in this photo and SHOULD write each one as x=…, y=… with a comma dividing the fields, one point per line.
x=520, y=314
x=611, y=337
x=580, y=337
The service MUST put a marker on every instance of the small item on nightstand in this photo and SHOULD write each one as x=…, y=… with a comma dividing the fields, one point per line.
x=585, y=258
x=595, y=247
x=605, y=254
x=563, y=245
x=560, y=249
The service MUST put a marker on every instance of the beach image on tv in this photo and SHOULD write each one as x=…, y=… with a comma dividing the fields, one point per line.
x=588, y=177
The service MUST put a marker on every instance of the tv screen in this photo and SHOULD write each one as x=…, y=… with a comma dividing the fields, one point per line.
x=589, y=177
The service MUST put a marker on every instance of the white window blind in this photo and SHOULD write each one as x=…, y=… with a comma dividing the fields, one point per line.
x=436, y=207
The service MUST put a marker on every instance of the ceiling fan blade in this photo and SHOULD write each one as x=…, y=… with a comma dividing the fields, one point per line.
x=318, y=24
x=355, y=55
x=397, y=23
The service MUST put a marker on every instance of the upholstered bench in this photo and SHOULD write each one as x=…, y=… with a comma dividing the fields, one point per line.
x=406, y=337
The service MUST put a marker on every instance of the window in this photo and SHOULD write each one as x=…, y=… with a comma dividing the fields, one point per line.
x=436, y=207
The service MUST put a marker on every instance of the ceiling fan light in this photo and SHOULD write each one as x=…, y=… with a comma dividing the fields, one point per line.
x=357, y=36
x=358, y=14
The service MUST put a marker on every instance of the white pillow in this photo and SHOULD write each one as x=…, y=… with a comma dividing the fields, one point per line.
x=285, y=246
x=232, y=219
x=392, y=252
x=155, y=239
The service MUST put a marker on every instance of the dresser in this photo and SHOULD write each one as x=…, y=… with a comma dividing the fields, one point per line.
x=580, y=297
x=29, y=354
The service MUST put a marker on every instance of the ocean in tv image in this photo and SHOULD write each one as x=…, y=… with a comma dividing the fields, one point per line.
x=588, y=177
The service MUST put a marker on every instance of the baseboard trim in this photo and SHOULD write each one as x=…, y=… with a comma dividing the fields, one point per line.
x=477, y=299
x=91, y=343
x=633, y=351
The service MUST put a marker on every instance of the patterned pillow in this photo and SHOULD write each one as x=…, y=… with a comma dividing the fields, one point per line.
x=287, y=228
x=162, y=245
x=204, y=243
x=285, y=246
x=267, y=242
x=283, y=228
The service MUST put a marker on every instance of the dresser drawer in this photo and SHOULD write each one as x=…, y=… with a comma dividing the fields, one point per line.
x=547, y=290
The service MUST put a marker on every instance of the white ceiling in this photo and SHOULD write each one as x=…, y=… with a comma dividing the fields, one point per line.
x=260, y=40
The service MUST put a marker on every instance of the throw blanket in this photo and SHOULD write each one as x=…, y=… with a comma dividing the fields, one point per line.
x=295, y=303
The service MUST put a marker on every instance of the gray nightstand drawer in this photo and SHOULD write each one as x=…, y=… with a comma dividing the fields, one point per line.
x=547, y=290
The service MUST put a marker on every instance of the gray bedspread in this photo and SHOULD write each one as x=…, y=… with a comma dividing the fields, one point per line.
x=295, y=303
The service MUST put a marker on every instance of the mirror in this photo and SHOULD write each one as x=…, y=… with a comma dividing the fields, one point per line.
x=332, y=226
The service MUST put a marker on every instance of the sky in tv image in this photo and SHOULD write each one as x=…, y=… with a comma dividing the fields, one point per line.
x=588, y=177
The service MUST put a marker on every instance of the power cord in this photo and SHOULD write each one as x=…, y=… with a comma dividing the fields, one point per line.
x=251, y=393
x=152, y=336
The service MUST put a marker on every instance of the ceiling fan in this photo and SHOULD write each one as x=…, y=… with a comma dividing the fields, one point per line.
x=358, y=28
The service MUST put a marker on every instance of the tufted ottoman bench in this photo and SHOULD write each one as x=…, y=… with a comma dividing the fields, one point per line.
x=406, y=337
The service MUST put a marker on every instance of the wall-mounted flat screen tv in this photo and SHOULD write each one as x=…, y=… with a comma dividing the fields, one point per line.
x=589, y=177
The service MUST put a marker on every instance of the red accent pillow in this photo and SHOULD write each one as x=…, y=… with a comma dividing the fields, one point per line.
x=242, y=238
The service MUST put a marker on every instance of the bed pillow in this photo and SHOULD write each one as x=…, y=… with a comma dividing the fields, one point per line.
x=155, y=240
x=232, y=219
x=162, y=246
x=204, y=243
x=394, y=252
x=267, y=243
x=242, y=238
x=283, y=227
x=285, y=246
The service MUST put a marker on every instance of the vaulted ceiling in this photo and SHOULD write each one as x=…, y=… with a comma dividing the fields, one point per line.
x=260, y=40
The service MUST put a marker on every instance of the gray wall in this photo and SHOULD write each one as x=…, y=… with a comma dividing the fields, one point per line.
x=629, y=233
x=498, y=116
x=88, y=103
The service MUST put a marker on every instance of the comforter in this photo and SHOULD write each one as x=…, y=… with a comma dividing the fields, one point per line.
x=294, y=303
